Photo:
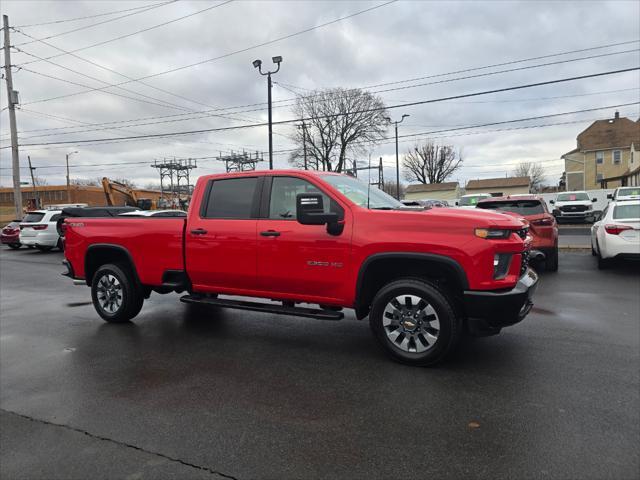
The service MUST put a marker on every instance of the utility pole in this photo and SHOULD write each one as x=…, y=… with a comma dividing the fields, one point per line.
x=68, y=181
x=12, y=100
x=33, y=182
x=397, y=157
x=304, y=143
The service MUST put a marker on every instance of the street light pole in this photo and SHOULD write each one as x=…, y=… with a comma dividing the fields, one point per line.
x=68, y=181
x=397, y=156
x=258, y=64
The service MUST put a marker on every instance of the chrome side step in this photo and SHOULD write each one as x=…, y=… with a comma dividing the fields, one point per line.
x=265, y=308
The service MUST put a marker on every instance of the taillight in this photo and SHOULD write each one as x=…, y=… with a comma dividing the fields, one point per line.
x=40, y=227
x=616, y=229
x=542, y=222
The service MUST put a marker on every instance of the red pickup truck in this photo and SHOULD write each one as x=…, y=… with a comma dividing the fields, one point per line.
x=298, y=237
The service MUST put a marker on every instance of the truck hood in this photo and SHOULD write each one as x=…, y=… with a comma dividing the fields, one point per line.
x=477, y=217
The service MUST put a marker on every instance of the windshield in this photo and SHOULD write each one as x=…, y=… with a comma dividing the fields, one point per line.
x=624, y=192
x=570, y=197
x=626, y=212
x=470, y=201
x=522, y=207
x=357, y=192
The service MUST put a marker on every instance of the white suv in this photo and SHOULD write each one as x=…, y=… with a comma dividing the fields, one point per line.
x=617, y=233
x=628, y=193
x=38, y=229
x=575, y=206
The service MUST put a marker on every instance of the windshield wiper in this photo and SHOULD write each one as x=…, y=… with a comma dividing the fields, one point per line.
x=382, y=208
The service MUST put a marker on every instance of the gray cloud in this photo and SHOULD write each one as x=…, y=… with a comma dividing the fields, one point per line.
x=399, y=41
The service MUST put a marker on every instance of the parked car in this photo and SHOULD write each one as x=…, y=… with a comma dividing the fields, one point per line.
x=11, y=234
x=573, y=206
x=470, y=201
x=625, y=193
x=296, y=236
x=38, y=229
x=155, y=213
x=617, y=233
x=543, y=227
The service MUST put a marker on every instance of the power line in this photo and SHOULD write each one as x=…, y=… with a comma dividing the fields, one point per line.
x=606, y=92
x=90, y=16
x=91, y=62
x=402, y=105
x=269, y=42
x=99, y=23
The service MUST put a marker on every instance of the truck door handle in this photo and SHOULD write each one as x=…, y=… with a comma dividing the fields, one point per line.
x=270, y=233
x=198, y=231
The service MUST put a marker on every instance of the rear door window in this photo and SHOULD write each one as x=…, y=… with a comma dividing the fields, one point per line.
x=521, y=207
x=231, y=198
x=33, y=217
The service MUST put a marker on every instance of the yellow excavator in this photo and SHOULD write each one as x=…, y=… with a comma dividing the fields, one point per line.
x=111, y=186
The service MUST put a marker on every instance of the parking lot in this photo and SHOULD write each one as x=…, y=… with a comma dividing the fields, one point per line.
x=189, y=393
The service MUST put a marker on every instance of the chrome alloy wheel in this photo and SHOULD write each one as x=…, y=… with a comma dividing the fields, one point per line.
x=411, y=324
x=109, y=292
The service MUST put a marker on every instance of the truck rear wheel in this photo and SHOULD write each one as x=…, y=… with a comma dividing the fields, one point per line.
x=414, y=322
x=115, y=293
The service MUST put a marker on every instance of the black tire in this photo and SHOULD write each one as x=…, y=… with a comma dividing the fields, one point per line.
x=603, y=263
x=551, y=260
x=44, y=248
x=30, y=247
x=450, y=323
x=14, y=246
x=131, y=296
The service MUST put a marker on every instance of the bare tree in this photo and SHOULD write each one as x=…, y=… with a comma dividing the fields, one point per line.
x=390, y=187
x=534, y=171
x=338, y=122
x=431, y=163
x=84, y=182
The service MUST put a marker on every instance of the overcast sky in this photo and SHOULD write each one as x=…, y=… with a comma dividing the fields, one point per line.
x=397, y=42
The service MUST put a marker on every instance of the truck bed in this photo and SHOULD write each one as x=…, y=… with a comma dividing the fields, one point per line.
x=154, y=243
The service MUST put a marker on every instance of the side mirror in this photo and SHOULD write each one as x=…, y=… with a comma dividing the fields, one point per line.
x=594, y=200
x=310, y=211
x=457, y=203
x=610, y=196
x=552, y=202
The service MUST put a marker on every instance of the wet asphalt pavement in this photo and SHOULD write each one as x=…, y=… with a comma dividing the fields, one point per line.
x=182, y=393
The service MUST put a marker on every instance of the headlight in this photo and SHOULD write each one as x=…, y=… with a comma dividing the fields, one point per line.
x=493, y=233
x=589, y=207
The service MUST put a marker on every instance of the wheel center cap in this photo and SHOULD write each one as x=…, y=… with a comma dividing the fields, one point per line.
x=409, y=324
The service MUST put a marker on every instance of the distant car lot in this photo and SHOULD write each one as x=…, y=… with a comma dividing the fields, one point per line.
x=193, y=393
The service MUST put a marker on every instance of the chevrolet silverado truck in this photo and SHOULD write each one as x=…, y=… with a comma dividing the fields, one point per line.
x=289, y=240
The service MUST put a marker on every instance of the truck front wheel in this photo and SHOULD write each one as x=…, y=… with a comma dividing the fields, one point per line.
x=414, y=322
x=116, y=295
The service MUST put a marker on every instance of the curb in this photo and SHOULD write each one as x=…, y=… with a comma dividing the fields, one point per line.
x=574, y=247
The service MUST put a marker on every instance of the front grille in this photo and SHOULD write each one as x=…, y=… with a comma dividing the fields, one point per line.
x=525, y=262
x=573, y=208
x=522, y=233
